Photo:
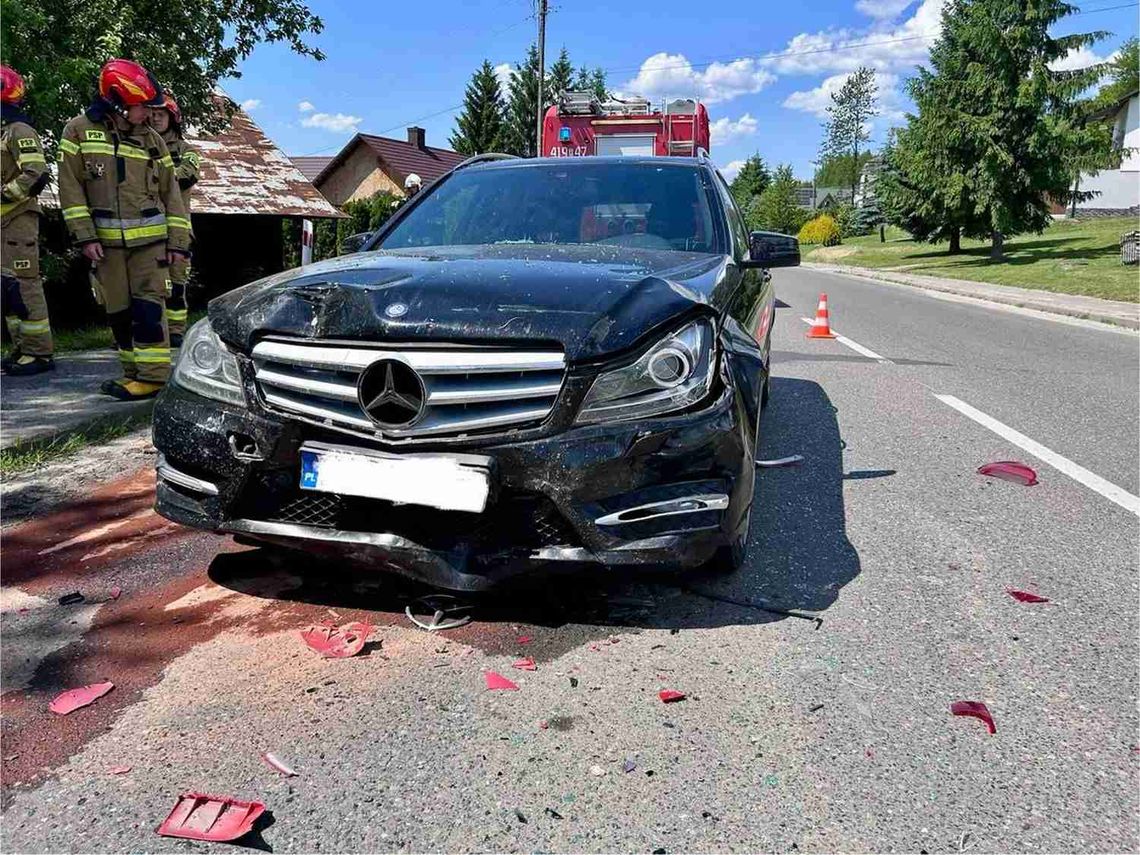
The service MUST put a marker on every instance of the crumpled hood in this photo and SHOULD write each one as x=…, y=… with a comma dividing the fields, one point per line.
x=592, y=300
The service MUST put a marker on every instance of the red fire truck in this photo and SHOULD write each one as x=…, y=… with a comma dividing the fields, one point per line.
x=580, y=125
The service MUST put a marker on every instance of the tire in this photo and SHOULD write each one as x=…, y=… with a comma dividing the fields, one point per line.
x=765, y=393
x=730, y=558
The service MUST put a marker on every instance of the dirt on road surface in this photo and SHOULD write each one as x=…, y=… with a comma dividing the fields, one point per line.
x=794, y=734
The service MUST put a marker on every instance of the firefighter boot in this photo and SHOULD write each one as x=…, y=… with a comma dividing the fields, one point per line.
x=131, y=390
x=26, y=365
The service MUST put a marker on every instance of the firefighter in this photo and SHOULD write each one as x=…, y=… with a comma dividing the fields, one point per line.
x=24, y=175
x=122, y=205
x=167, y=120
x=412, y=185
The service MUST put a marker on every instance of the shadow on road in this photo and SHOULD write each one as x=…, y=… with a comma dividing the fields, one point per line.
x=799, y=557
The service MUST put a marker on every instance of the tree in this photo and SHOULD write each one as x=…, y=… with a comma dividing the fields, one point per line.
x=996, y=130
x=522, y=107
x=591, y=81
x=752, y=180
x=559, y=80
x=841, y=170
x=189, y=45
x=479, y=127
x=776, y=209
x=848, y=118
x=1123, y=70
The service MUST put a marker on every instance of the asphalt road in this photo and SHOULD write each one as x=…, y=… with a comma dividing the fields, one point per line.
x=795, y=735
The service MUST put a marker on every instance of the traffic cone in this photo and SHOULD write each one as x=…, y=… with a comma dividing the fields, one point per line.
x=820, y=328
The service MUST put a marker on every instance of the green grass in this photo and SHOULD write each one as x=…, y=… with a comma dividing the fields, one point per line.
x=1071, y=257
x=94, y=337
x=21, y=457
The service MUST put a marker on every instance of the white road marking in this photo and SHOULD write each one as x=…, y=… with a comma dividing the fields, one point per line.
x=855, y=346
x=1062, y=464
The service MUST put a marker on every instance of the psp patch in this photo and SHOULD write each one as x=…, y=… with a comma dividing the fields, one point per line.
x=21, y=264
x=96, y=136
x=26, y=143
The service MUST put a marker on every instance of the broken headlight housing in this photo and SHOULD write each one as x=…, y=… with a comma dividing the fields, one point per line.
x=206, y=367
x=675, y=373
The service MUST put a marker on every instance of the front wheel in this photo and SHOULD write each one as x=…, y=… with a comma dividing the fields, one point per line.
x=731, y=557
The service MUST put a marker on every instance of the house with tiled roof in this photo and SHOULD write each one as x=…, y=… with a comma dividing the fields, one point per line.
x=371, y=164
x=311, y=167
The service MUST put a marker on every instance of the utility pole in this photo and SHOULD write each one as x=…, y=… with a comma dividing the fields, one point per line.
x=541, y=74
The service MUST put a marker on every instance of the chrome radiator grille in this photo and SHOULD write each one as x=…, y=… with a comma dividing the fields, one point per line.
x=464, y=389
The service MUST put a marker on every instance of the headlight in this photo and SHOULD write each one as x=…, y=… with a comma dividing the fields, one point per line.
x=673, y=374
x=206, y=367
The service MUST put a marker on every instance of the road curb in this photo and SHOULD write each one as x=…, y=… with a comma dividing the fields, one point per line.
x=1113, y=313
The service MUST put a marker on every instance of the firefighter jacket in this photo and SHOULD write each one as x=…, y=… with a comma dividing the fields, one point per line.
x=186, y=164
x=117, y=185
x=23, y=169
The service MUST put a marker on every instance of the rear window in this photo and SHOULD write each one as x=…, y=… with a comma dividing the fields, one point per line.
x=641, y=205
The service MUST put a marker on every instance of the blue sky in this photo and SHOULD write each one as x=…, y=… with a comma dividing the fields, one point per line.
x=764, y=69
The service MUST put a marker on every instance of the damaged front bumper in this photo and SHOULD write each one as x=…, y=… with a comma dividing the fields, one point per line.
x=665, y=491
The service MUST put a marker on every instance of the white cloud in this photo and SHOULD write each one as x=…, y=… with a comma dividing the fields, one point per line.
x=892, y=48
x=1078, y=58
x=817, y=100
x=665, y=75
x=250, y=104
x=882, y=10
x=731, y=169
x=339, y=122
x=306, y=107
x=725, y=129
x=503, y=71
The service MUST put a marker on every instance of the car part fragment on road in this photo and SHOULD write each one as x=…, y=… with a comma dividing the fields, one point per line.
x=628, y=766
x=337, y=642
x=116, y=592
x=119, y=770
x=1026, y=596
x=525, y=664
x=749, y=604
x=217, y=818
x=276, y=763
x=71, y=599
x=552, y=813
x=669, y=696
x=74, y=699
x=447, y=612
x=498, y=681
x=1010, y=470
x=524, y=639
x=791, y=460
x=976, y=709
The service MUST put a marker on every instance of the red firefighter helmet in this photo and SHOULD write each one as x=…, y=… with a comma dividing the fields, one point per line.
x=12, y=86
x=125, y=84
x=171, y=106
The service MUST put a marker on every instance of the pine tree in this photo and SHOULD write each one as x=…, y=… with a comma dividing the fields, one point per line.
x=777, y=209
x=479, y=127
x=996, y=128
x=752, y=180
x=522, y=107
x=851, y=109
x=591, y=81
x=559, y=80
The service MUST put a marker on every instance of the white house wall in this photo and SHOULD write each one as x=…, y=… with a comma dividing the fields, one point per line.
x=1119, y=188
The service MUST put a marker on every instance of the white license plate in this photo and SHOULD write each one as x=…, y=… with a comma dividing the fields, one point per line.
x=435, y=481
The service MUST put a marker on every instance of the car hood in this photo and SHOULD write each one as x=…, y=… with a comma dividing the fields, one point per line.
x=592, y=300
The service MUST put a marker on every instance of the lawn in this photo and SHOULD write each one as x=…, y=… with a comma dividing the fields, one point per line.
x=1081, y=257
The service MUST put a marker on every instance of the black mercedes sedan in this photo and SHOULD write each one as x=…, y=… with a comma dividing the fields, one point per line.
x=534, y=362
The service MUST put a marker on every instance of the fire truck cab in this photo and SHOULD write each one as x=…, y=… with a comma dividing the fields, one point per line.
x=580, y=125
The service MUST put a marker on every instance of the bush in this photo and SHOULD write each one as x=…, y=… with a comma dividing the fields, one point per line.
x=847, y=218
x=823, y=230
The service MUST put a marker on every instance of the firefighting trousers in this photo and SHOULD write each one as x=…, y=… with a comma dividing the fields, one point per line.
x=25, y=309
x=131, y=282
x=176, y=300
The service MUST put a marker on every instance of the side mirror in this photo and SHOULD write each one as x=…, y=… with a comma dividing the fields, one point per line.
x=772, y=249
x=353, y=243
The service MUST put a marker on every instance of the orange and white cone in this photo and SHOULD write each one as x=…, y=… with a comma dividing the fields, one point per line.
x=820, y=328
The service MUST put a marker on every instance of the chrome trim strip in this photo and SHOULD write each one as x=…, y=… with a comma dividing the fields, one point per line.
x=668, y=508
x=168, y=473
x=319, y=412
x=308, y=385
x=473, y=394
x=426, y=362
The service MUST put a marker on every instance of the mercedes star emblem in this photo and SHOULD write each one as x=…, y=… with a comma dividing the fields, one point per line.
x=396, y=310
x=391, y=393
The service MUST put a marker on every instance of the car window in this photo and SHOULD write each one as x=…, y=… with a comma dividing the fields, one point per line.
x=735, y=218
x=643, y=205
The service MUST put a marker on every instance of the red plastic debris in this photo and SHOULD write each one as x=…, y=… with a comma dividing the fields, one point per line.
x=1025, y=596
x=669, y=696
x=73, y=699
x=544, y=724
x=498, y=681
x=201, y=817
x=119, y=770
x=116, y=592
x=1010, y=470
x=525, y=664
x=276, y=763
x=976, y=709
x=337, y=642
x=524, y=639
